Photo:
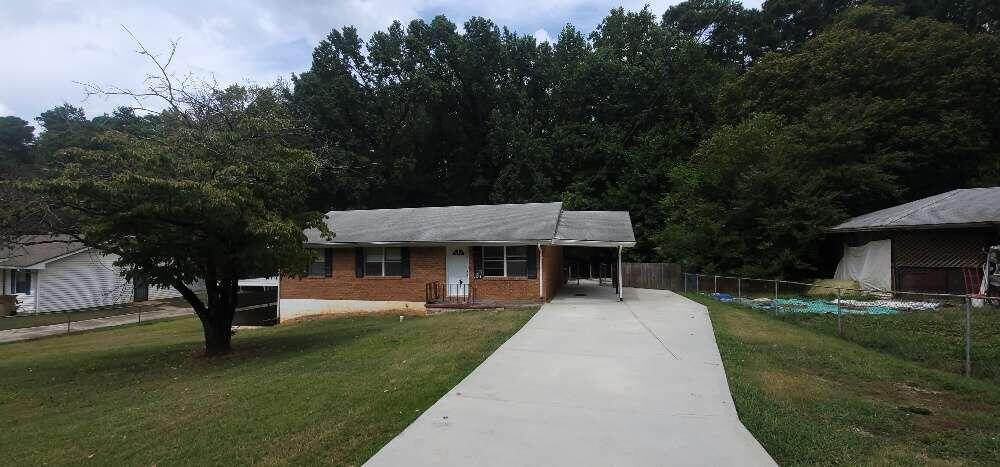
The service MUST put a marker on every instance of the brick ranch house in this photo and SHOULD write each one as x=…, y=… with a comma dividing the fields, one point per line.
x=419, y=258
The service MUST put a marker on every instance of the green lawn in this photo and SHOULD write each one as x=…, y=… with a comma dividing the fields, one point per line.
x=812, y=398
x=932, y=338
x=324, y=391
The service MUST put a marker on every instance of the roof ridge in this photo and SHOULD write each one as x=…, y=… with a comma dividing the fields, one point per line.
x=450, y=206
x=943, y=196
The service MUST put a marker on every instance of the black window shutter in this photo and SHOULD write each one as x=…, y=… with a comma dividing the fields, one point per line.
x=359, y=262
x=404, y=257
x=477, y=260
x=328, y=262
x=532, y=262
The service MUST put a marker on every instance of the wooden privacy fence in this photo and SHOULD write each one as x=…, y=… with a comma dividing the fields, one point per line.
x=664, y=276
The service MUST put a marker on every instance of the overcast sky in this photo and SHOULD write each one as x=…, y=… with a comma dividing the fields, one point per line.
x=47, y=44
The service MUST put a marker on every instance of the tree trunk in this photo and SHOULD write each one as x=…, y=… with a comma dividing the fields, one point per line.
x=218, y=333
x=216, y=313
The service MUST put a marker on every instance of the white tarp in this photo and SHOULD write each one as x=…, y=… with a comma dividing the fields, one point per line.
x=869, y=265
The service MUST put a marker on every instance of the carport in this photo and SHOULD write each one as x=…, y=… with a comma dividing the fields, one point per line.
x=594, y=238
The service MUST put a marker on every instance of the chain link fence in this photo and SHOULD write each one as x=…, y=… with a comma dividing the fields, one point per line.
x=956, y=333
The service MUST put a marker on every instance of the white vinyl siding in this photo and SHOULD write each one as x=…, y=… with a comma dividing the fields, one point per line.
x=83, y=280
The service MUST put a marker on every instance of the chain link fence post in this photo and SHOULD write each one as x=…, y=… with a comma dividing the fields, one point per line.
x=69, y=321
x=968, y=336
x=715, y=285
x=739, y=288
x=840, y=315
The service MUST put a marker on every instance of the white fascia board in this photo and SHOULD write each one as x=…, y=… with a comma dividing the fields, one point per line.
x=448, y=243
x=593, y=243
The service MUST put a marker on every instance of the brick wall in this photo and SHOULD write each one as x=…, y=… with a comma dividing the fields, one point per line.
x=427, y=264
x=506, y=288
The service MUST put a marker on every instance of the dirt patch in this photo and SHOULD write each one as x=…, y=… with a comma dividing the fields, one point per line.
x=802, y=386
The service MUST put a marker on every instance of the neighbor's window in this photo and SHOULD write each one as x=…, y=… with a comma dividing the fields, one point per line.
x=383, y=261
x=317, y=267
x=500, y=261
x=20, y=282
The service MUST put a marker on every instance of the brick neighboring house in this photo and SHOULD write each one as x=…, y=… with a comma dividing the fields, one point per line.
x=415, y=258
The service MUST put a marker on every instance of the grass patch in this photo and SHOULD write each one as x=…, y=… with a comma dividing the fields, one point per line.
x=330, y=391
x=810, y=398
x=933, y=338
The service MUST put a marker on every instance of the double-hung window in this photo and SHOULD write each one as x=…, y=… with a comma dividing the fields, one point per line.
x=505, y=261
x=20, y=282
x=386, y=261
x=317, y=267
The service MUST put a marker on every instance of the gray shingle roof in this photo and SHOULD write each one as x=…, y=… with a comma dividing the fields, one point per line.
x=29, y=251
x=595, y=226
x=527, y=223
x=500, y=222
x=955, y=208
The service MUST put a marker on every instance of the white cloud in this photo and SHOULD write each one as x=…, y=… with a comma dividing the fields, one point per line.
x=49, y=44
x=542, y=35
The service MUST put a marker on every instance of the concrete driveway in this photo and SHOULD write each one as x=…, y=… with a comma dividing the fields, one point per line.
x=590, y=381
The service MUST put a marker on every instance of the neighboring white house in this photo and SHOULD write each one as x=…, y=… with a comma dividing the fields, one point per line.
x=52, y=273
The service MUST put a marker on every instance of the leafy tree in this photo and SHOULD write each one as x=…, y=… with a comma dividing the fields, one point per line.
x=875, y=110
x=733, y=34
x=16, y=141
x=213, y=189
x=924, y=92
x=756, y=197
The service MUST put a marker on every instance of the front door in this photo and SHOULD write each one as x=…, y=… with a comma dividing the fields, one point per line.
x=458, y=270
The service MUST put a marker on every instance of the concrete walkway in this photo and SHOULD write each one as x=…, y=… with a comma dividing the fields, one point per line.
x=160, y=312
x=590, y=381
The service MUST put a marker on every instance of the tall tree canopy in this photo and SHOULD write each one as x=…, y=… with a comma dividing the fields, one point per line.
x=212, y=189
x=876, y=110
x=429, y=116
x=16, y=141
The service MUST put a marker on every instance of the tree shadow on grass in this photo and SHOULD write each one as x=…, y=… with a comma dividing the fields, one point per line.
x=268, y=346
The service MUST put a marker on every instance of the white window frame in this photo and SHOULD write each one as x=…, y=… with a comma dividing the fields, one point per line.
x=319, y=257
x=506, y=259
x=384, y=261
x=13, y=281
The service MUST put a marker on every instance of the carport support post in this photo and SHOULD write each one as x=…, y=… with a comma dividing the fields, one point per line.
x=621, y=296
x=968, y=336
